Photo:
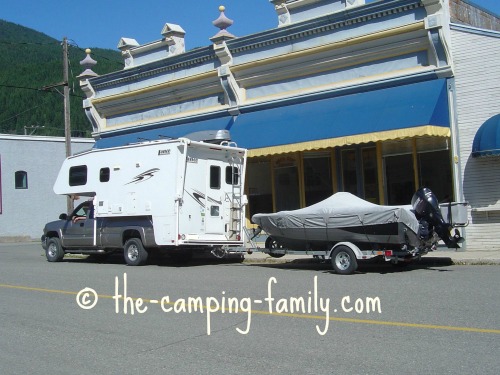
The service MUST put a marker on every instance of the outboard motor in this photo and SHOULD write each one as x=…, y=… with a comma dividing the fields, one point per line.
x=426, y=207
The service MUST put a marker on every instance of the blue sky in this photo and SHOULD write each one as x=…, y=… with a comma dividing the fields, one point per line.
x=101, y=23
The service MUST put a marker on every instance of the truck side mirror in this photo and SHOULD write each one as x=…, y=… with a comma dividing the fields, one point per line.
x=63, y=217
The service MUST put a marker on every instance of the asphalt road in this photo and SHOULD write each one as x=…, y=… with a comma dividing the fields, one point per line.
x=381, y=320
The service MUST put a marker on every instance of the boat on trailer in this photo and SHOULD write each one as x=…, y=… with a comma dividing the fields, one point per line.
x=345, y=228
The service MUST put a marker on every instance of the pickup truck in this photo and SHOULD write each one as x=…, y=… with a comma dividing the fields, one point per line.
x=81, y=233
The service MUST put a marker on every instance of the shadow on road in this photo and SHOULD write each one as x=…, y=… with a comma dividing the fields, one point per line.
x=381, y=267
x=161, y=260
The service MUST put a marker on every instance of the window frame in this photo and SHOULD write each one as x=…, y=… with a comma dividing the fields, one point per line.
x=104, y=174
x=21, y=180
x=214, y=176
x=76, y=179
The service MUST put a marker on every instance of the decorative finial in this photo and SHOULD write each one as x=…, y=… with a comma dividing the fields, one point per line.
x=222, y=23
x=88, y=63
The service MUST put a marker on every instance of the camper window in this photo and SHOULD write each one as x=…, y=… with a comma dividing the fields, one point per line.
x=78, y=175
x=104, y=175
x=214, y=177
x=232, y=175
x=214, y=210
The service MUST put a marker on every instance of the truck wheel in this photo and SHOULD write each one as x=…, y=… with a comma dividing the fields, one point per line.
x=344, y=260
x=54, y=252
x=134, y=252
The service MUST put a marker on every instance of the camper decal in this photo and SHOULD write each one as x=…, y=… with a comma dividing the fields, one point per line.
x=199, y=197
x=144, y=176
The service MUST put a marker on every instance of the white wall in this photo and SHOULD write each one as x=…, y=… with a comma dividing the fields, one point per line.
x=25, y=211
x=477, y=76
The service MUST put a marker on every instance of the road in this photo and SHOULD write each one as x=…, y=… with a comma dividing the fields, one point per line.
x=163, y=318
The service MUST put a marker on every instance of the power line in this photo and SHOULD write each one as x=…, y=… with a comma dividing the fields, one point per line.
x=37, y=89
x=29, y=43
x=19, y=114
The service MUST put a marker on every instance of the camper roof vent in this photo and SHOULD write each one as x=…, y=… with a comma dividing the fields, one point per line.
x=210, y=136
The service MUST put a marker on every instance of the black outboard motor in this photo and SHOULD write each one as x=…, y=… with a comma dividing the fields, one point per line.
x=426, y=207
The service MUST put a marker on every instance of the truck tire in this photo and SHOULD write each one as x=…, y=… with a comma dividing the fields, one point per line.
x=344, y=260
x=54, y=252
x=134, y=252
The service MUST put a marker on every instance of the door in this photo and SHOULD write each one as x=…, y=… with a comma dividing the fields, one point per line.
x=78, y=232
x=215, y=200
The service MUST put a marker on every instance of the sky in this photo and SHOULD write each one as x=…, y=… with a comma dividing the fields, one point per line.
x=101, y=23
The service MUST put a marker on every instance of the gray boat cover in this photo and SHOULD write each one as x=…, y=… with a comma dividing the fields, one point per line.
x=338, y=211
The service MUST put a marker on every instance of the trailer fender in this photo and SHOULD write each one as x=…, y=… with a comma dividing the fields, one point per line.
x=350, y=245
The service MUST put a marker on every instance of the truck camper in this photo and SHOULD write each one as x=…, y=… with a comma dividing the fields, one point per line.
x=181, y=195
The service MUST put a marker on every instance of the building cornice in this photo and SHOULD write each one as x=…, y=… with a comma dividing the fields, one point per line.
x=283, y=35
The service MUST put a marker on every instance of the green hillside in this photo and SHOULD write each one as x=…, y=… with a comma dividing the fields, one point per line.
x=30, y=60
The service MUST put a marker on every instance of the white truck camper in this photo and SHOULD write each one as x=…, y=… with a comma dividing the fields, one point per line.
x=180, y=195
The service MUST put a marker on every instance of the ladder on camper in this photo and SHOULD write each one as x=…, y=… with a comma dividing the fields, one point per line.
x=236, y=164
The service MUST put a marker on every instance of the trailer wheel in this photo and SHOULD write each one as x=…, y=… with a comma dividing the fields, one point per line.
x=344, y=260
x=54, y=252
x=272, y=244
x=134, y=252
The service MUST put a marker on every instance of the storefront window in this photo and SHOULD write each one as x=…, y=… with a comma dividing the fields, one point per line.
x=435, y=173
x=359, y=173
x=349, y=174
x=260, y=196
x=286, y=184
x=400, y=179
x=317, y=177
x=370, y=175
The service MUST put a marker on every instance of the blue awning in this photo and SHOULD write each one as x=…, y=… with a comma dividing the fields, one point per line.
x=409, y=110
x=487, y=139
x=395, y=108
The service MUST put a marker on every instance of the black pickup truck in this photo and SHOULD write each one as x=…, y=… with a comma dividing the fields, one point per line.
x=81, y=233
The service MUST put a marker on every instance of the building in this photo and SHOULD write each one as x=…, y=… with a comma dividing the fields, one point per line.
x=375, y=98
x=28, y=168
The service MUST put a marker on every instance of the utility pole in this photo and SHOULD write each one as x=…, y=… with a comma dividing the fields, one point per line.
x=67, y=119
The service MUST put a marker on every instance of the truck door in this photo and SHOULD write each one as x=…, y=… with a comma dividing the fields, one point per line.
x=78, y=232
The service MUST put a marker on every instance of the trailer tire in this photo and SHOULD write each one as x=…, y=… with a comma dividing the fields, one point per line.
x=272, y=244
x=134, y=252
x=54, y=251
x=344, y=260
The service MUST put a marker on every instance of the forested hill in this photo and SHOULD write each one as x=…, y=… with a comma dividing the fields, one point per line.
x=30, y=60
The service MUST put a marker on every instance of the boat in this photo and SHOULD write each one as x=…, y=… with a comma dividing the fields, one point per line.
x=344, y=217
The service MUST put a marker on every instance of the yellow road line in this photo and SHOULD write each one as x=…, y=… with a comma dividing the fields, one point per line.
x=290, y=315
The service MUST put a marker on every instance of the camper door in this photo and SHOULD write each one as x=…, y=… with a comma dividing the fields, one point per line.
x=217, y=202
